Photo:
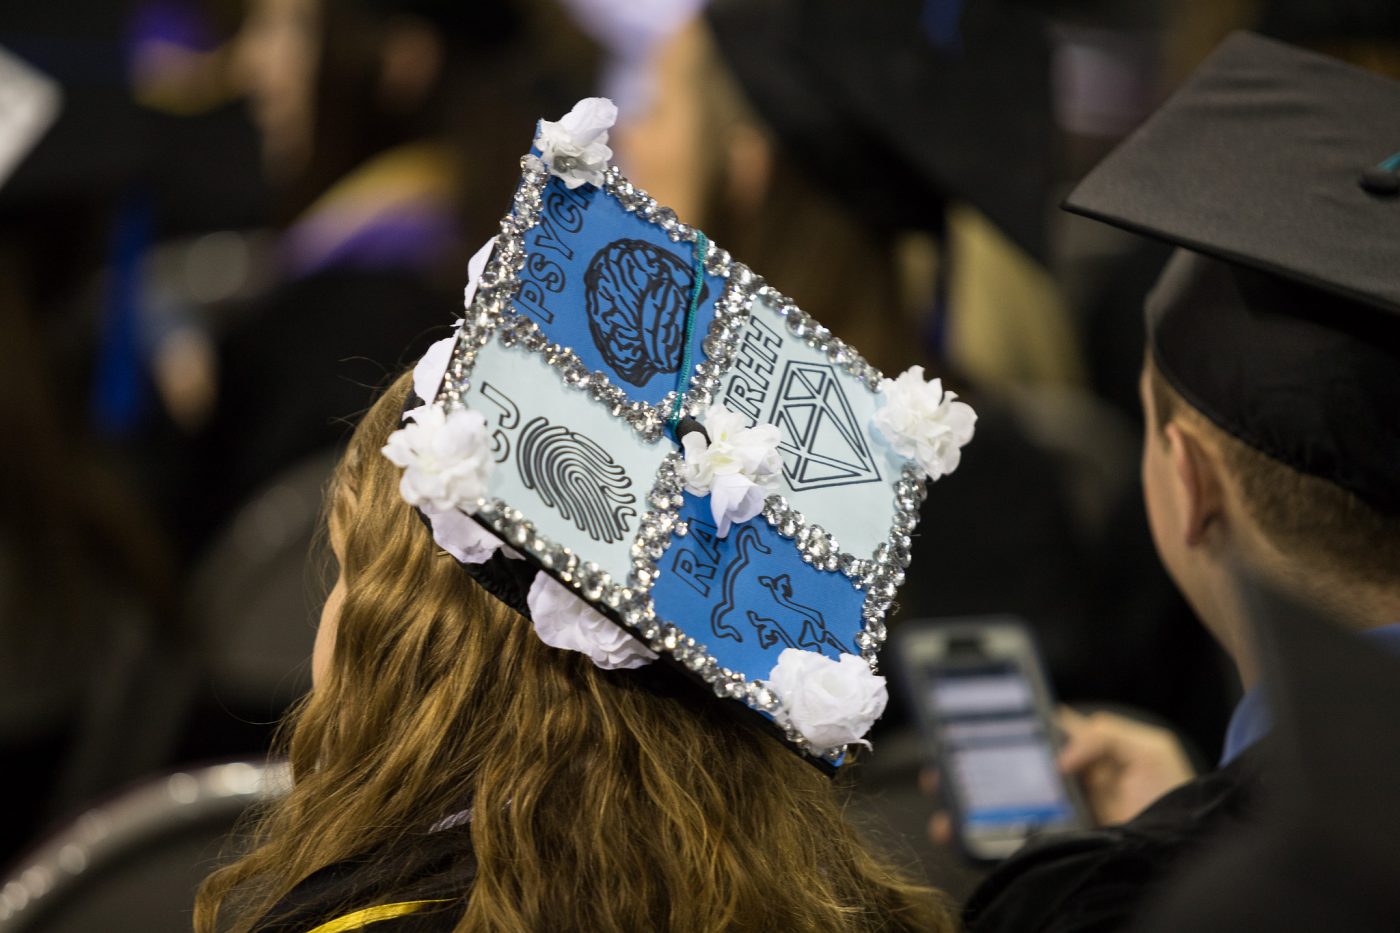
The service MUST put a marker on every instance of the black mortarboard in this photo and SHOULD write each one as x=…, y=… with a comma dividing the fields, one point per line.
x=1277, y=173
x=908, y=103
x=100, y=141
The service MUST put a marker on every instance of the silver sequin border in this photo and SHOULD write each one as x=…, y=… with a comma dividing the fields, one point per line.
x=490, y=313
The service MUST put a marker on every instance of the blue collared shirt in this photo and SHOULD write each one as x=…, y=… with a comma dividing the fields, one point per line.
x=1252, y=718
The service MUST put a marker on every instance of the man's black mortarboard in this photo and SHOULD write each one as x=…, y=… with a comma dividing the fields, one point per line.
x=909, y=103
x=1277, y=173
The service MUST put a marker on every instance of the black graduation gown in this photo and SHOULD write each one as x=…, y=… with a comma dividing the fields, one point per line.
x=1097, y=881
x=421, y=888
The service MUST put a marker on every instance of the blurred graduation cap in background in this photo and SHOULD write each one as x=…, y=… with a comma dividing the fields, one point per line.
x=911, y=103
x=92, y=138
x=107, y=179
x=1326, y=850
x=1275, y=172
x=78, y=144
x=30, y=102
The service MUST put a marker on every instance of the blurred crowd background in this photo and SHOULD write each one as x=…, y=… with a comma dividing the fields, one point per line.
x=225, y=224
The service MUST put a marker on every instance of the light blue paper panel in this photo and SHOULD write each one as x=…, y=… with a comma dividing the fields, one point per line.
x=749, y=595
x=614, y=288
x=581, y=475
x=837, y=469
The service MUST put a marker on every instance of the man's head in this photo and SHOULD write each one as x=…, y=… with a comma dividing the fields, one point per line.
x=1212, y=498
x=1273, y=382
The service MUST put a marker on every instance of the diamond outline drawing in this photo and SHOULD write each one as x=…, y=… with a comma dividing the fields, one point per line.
x=821, y=446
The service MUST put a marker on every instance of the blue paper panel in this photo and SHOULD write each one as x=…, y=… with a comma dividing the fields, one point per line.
x=750, y=595
x=613, y=287
x=838, y=470
x=581, y=475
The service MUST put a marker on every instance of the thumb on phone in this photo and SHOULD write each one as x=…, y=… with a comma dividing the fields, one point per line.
x=1123, y=764
x=1083, y=744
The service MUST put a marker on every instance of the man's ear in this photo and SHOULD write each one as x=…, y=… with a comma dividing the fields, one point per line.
x=1196, y=471
x=412, y=55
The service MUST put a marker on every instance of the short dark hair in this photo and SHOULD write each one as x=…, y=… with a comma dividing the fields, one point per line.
x=1302, y=515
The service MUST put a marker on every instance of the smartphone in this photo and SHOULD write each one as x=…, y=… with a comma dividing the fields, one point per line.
x=980, y=694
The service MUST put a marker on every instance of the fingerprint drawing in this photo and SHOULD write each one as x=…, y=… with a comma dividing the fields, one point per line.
x=637, y=295
x=577, y=478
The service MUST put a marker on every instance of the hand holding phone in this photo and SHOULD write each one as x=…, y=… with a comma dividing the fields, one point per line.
x=980, y=694
x=1122, y=763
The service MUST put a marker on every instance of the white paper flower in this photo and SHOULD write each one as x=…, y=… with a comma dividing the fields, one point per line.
x=923, y=422
x=431, y=368
x=446, y=458
x=465, y=539
x=737, y=468
x=575, y=149
x=432, y=365
x=475, y=266
x=563, y=620
x=832, y=703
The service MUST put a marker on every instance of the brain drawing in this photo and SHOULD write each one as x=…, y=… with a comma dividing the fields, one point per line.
x=637, y=297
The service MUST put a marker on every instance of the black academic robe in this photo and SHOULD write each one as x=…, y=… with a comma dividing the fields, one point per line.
x=420, y=887
x=1097, y=881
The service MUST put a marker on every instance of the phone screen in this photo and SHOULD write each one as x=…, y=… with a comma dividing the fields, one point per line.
x=997, y=749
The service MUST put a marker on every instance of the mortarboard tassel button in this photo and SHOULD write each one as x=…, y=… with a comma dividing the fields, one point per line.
x=1380, y=180
x=688, y=425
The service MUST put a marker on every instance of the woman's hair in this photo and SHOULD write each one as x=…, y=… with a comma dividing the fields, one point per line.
x=596, y=803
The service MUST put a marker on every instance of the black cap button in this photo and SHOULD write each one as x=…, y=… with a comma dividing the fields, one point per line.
x=1379, y=180
x=689, y=425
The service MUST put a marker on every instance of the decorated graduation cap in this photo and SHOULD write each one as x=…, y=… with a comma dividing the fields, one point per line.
x=647, y=449
x=1276, y=172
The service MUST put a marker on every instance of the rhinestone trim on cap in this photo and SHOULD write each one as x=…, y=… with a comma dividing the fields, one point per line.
x=630, y=602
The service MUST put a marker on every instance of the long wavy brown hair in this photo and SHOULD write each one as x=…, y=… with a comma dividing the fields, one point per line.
x=597, y=804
